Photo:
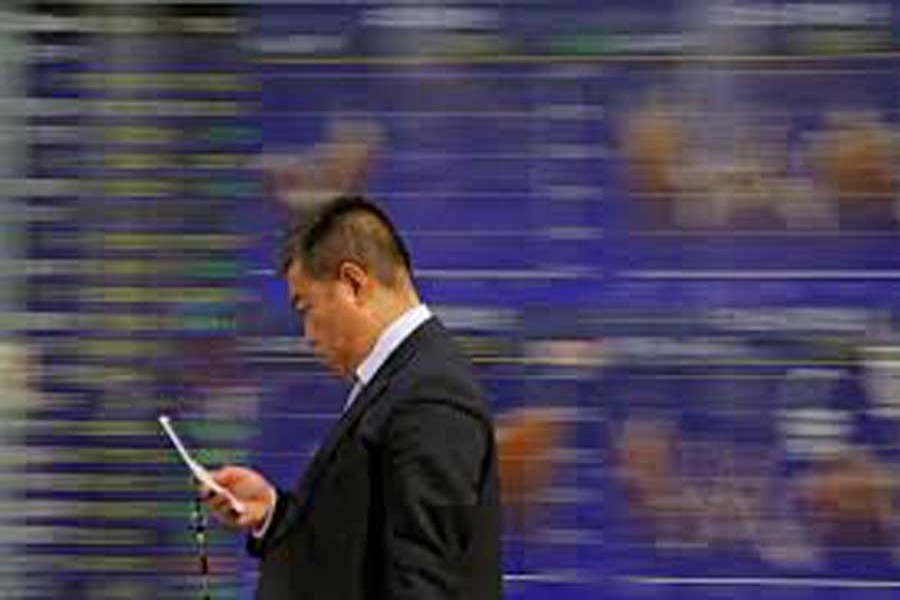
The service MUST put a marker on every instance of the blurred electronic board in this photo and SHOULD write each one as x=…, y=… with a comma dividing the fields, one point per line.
x=666, y=234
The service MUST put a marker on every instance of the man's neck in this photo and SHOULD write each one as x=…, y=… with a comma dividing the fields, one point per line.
x=395, y=312
x=390, y=339
x=387, y=316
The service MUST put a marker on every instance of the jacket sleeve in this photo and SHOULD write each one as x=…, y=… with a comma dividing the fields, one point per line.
x=432, y=469
x=286, y=513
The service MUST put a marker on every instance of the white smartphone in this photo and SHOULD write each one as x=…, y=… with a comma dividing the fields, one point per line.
x=198, y=470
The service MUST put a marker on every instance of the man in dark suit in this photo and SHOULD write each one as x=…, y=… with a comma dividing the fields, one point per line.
x=401, y=499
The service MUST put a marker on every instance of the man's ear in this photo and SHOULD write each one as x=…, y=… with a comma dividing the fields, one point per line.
x=355, y=278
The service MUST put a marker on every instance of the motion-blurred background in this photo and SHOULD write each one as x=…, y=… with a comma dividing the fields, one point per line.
x=666, y=232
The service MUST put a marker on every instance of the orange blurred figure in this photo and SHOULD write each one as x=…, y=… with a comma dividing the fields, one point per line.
x=648, y=461
x=850, y=498
x=338, y=165
x=855, y=157
x=653, y=146
x=528, y=440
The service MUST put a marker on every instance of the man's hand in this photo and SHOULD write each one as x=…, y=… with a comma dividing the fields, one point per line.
x=257, y=495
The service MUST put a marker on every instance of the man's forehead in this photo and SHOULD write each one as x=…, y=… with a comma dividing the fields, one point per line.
x=296, y=268
x=296, y=276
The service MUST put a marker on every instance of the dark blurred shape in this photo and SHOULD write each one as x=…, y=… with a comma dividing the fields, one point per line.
x=529, y=440
x=850, y=499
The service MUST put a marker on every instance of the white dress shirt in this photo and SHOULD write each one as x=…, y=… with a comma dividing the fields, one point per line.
x=387, y=342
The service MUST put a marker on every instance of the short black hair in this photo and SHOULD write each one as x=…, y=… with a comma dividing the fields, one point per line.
x=347, y=228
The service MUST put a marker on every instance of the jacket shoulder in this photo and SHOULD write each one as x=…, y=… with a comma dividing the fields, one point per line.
x=435, y=371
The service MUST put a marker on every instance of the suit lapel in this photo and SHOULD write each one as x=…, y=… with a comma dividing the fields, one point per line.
x=340, y=429
x=337, y=433
x=367, y=397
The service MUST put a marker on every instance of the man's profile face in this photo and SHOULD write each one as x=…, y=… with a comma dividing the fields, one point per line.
x=329, y=317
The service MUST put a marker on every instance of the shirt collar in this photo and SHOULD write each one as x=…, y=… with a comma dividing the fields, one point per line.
x=389, y=340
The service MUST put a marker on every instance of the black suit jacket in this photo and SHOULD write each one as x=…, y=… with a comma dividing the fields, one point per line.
x=401, y=499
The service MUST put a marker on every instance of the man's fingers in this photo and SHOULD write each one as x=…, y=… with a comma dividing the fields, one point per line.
x=227, y=518
x=227, y=476
x=243, y=520
x=219, y=503
x=205, y=493
x=225, y=513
